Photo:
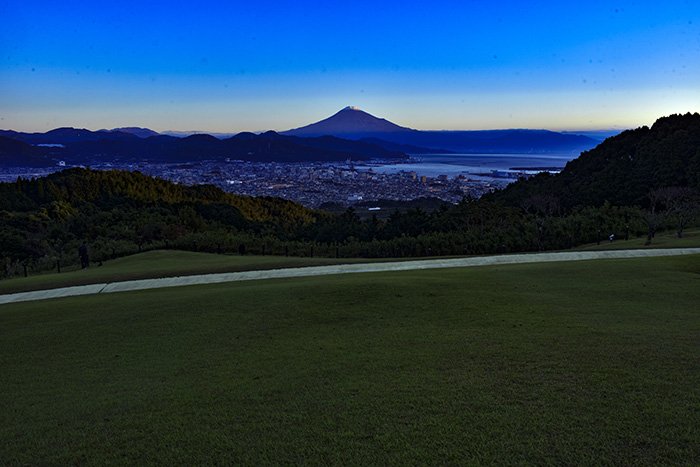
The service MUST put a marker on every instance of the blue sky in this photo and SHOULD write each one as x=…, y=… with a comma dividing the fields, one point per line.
x=234, y=66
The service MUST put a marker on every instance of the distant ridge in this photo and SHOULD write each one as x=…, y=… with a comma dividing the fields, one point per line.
x=66, y=135
x=350, y=133
x=353, y=123
x=134, y=130
x=81, y=146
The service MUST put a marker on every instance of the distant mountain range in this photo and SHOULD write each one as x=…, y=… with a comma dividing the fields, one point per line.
x=598, y=135
x=353, y=123
x=350, y=133
x=68, y=135
x=134, y=130
x=80, y=146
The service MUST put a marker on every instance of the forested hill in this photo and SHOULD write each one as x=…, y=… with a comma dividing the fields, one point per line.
x=623, y=169
x=107, y=189
x=16, y=153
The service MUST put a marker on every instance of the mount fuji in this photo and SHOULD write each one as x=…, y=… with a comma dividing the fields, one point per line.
x=350, y=121
x=353, y=123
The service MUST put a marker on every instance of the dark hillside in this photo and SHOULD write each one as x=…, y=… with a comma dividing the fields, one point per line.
x=79, y=146
x=623, y=169
x=108, y=188
x=14, y=153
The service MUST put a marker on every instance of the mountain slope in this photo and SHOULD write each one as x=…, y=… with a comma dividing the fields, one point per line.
x=109, y=188
x=136, y=131
x=68, y=135
x=352, y=123
x=15, y=153
x=623, y=169
x=407, y=148
x=495, y=141
x=348, y=121
x=268, y=146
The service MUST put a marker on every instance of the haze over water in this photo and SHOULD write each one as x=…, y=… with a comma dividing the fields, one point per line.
x=453, y=165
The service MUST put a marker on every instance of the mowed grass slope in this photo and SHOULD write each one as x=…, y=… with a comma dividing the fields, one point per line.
x=160, y=263
x=171, y=263
x=592, y=362
x=666, y=239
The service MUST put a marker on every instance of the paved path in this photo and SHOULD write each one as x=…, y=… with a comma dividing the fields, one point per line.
x=338, y=269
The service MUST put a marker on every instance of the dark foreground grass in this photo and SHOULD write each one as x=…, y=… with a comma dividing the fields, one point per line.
x=161, y=263
x=564, y=363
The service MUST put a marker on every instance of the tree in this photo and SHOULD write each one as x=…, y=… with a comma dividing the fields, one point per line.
x=681, y=204
x=59, y=237
x=542, y=208
x=654, y=215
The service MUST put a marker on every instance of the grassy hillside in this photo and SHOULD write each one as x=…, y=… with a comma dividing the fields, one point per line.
x=570, y=363
x=171, y=263
x=160, y=263
x=668, y=239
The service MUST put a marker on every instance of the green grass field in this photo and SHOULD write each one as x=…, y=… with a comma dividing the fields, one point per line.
x=592, y=362
x=169, y=263
x=160, y=263
x=668, y=239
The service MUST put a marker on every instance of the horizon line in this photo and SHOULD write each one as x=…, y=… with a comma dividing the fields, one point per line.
x=235, y=132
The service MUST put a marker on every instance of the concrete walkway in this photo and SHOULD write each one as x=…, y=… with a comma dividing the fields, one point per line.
x=338, y=269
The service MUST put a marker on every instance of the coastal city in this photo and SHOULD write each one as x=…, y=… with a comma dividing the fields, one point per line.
x=311, y=184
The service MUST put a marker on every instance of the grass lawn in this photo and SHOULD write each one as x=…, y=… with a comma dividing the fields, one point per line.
x=668, y=239
x=160, y=263
x=169, y=263
x=591, y=362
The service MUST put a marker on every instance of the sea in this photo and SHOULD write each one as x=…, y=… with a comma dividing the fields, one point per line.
x=476, y=166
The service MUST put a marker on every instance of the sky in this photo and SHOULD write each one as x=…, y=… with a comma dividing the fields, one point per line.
x=250, y=66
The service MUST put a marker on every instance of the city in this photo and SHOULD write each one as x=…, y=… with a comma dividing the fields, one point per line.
x=311, y=184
